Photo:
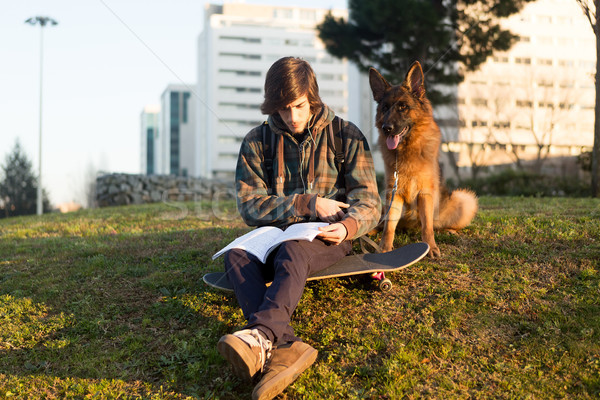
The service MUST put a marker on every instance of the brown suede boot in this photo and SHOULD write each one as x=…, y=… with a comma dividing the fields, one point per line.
x=287, y=362
x=246, y=350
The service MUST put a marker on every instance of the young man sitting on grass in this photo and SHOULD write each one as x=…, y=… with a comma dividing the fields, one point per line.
x=304, y=184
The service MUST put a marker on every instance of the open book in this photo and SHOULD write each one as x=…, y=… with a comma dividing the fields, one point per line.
x=263, y=240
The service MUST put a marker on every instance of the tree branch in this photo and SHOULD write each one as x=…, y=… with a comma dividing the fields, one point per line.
x=587, y=11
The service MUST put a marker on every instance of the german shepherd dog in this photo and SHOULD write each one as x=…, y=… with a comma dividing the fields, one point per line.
x=409, y=140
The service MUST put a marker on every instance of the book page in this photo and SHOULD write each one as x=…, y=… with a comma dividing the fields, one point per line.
x=263, y=240
x=256, y=242
x=303, y=231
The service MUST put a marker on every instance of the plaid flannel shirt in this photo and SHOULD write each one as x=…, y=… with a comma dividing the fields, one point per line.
x=293, y=198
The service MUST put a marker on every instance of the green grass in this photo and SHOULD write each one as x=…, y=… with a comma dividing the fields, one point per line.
x=110, y=304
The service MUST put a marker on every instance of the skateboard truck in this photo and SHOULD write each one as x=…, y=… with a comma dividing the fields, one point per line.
x=385, y=285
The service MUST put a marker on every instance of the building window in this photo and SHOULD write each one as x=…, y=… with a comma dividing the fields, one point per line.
x=524, y=103
x=186, y=99
x=242, y=56
x=565, y=20
x=241, y=106
x=240, y=89
x=284, y=13
x=567, y=85
x=150, y=151
x=241, y=39
x=174, y=99
x=241, y=122
x=544, y=19
x=229, y=140
x=274, y=42
x=309, y=15
x=231, y=157
x=523, y=60
x=332, y=77
x=332, y=93
x=239, y=72
x=502, y=125
x=566, y=63
x=566, y=42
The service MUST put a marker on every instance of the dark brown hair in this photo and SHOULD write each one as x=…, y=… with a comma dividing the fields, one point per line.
x=288, y=79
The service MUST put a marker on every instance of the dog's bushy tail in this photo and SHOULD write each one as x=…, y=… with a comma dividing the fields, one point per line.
x=457, y=210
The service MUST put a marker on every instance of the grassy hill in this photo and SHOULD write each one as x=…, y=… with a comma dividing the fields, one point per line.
x=109, y=303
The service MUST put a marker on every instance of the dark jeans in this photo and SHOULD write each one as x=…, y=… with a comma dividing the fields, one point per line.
x=269, y=309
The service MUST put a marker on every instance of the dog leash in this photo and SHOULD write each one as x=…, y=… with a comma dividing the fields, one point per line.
x=394, y=189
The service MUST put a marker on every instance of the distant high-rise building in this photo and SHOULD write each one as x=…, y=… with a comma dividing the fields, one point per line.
x=148, y=136
x=237, y=46
x=177, y=133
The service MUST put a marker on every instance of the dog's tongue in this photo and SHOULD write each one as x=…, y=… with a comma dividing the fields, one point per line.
x=392, y=141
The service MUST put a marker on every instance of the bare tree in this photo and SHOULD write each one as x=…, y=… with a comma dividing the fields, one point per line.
x=501, y=117
x=590, y=8
x=544, y=107
x=480, y=127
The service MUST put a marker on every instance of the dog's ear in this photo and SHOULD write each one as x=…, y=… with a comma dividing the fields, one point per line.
x=415, y=80
x=378, y=84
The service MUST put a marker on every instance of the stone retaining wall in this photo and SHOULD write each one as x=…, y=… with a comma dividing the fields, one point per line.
x=123, y=189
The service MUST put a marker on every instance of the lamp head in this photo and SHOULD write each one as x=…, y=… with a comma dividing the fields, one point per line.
x=41, y=20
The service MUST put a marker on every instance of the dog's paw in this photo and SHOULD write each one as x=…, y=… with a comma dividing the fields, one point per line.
x=434, y=251
x=386, y=248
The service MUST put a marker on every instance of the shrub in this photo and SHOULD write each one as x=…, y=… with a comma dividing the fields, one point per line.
x=523, y=183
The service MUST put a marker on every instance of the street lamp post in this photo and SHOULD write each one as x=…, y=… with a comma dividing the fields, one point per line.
x=43, y=21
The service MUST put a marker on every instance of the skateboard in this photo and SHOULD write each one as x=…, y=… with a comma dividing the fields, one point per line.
x=376, y=264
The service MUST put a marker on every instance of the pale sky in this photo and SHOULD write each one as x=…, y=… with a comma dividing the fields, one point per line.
x=103, y=62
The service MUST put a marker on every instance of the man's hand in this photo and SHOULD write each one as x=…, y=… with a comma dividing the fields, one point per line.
x=329, y=210
x=334, y=233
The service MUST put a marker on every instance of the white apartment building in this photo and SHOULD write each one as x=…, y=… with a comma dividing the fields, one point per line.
x=237, y=46
x=148, y=136
x=177, y=139
x=538, y=96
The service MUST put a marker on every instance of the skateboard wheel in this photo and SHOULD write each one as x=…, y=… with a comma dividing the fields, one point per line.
x=385, y=285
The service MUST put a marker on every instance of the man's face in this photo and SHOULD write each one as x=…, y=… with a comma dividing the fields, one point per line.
x=296, y=115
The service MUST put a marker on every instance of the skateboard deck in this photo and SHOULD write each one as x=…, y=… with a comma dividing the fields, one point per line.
x=375, y=264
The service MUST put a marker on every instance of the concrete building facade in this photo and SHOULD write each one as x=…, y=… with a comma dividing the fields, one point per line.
x=177, y=132
x=149, y=118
